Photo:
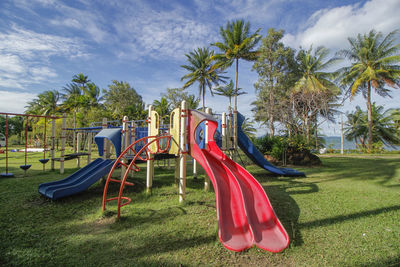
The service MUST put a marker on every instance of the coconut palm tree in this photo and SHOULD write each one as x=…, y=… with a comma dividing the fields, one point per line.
x=80, y=79
x=375, y=64
x=384, y=126
x=46, y=103
x=237, y=43
x=314, y=91
x=228, y=91
x=162, y=108
x=201, y=70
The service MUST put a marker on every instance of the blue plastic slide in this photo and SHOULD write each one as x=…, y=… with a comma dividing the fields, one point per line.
x=78, y=181
x=257, y=157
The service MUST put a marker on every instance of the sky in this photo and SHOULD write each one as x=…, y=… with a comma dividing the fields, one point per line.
x=44, y=43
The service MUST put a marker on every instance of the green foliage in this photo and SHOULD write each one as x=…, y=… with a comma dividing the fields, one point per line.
x=384, y=130
x=175, y=96
x=202, y=70
x=228, y=91
x=122, y=99
x=277, y=145
x=274, y=67
x=375, y=63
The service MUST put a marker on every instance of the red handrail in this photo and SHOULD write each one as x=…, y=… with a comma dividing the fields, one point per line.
x=132, y=167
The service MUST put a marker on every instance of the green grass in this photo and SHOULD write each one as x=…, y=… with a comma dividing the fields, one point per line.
x=344, y=213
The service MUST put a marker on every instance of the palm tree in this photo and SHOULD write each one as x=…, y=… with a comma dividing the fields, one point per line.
x=80, y=79
x=237, y=43
x=228, y=91
x=384, y=126
x=248, y=127
x=202, y=70
x=162, y=108
x=46, y=103
x=375, y=63
x=92, y=94
x=314, y=91
x=73, y=100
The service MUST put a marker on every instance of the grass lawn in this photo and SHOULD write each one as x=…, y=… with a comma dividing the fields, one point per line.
x=344, y=213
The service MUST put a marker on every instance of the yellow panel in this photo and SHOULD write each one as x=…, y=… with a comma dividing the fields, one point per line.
x=154, y=129
x=174, y=125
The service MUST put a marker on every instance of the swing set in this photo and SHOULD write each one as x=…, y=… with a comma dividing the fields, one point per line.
x=44, y=160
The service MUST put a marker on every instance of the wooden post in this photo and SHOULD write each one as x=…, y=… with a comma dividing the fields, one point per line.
x=125, y=143
x=53, y=143
x=90, y=139
x=223, y=132
x=132, y=139
x=150, y=161
x=182, y=155
x=194, y=169
x=176, y=171
x=206, y=178
x=78, y=148
x=104, y=126
x=63, y=137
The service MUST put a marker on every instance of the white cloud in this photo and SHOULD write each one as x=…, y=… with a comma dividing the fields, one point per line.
x=161, y=34
x=25, y=54
x=332, y=27
x=14, y=102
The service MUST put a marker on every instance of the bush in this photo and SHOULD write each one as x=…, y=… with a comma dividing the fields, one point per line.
x=277, y=145
x=14, y=140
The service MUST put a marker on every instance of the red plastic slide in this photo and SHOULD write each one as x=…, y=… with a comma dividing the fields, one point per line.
x=245, y=215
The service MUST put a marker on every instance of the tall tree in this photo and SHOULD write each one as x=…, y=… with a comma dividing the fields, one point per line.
x=272, y=67
x=384, y=126
x=80, y=79
x=175, y=96
x=121, y=99
x=237, y=43
x=46, y=103
x=375, y=64
x=162, y=108
x=228, y=91
x=201, y=70
x=315, y=90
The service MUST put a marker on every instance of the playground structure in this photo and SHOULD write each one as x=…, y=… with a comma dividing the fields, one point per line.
x=245, y=215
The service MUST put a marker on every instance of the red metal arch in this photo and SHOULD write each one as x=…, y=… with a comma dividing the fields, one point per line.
x=132, y=166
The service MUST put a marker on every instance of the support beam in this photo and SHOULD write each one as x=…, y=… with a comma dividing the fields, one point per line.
x=182, y=155
x=63, y=137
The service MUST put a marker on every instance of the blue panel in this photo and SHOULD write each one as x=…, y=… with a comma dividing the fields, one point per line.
x=112, y=134
x=140, y=133
x=200, y=135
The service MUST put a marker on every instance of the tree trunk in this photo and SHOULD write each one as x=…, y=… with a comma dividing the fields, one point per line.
x=204, y=92
x=235, y=108
x=74, y=134
x=271, y=110
x=369, y=108
x=316, y=131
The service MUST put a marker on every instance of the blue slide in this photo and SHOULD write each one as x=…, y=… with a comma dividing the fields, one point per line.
x=257, y=157
x=78, y=181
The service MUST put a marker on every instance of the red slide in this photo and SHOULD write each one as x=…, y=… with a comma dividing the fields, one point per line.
x=245, y=215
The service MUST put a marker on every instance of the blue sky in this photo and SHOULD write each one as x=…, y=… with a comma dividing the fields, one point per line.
x=43, y=43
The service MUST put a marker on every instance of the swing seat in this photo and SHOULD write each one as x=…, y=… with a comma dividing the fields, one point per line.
x=44, y=161
x=25, y=167
x=7, y=174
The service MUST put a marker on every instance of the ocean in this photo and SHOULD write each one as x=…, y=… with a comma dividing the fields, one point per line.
x=335, y=143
